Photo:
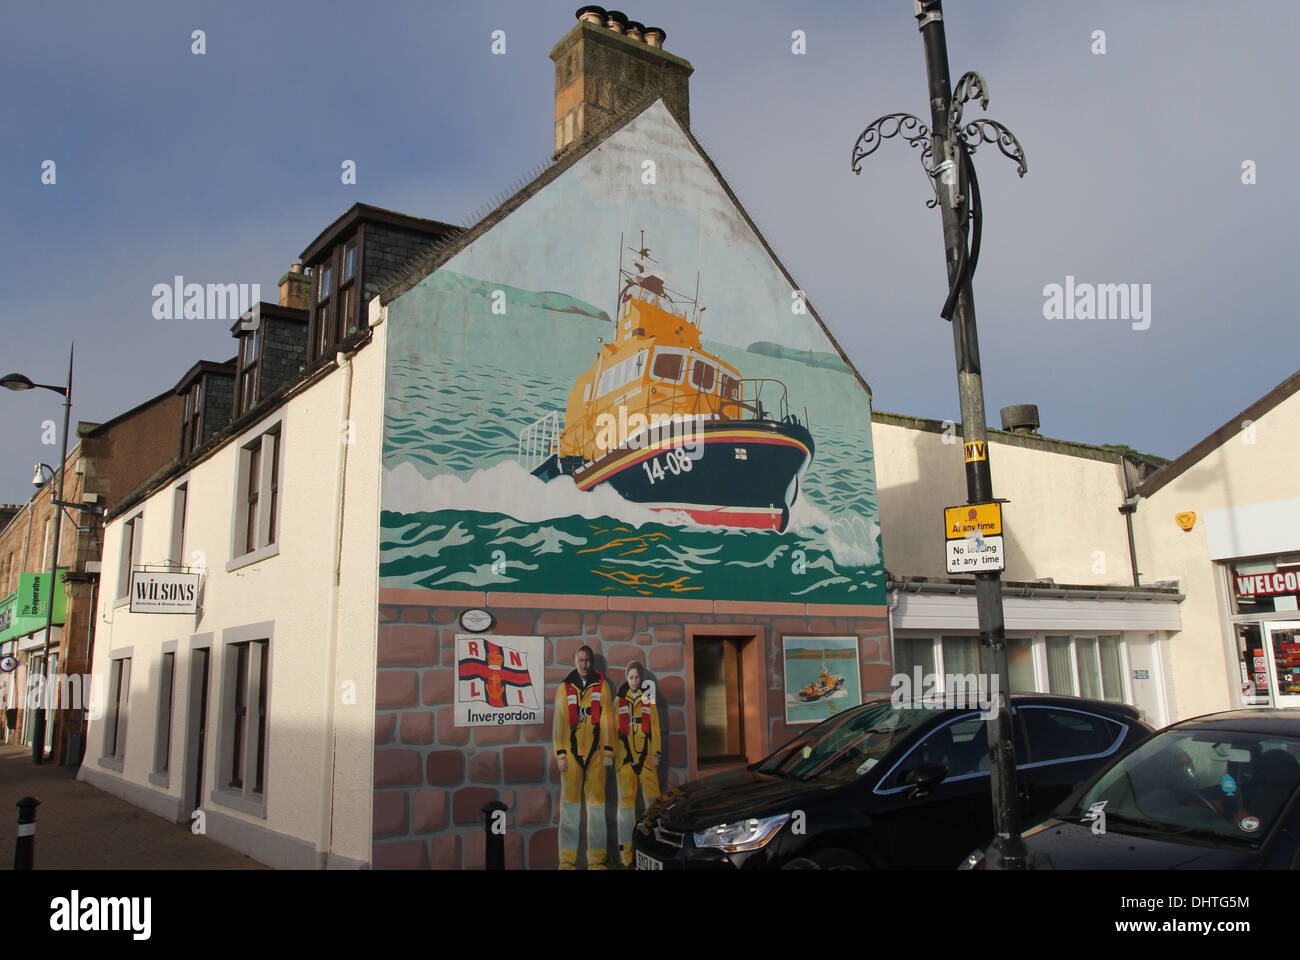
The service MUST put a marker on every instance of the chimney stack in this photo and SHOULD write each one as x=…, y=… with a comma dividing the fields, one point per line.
x=604, y=64
x=295, y=288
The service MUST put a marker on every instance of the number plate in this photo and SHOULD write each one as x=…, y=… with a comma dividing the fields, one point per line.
x=644, y=862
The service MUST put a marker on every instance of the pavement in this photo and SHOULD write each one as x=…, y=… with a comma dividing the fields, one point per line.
x=80, y=827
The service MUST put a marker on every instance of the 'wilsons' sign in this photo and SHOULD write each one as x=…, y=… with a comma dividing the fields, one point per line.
x=1268, y=584
x=499, y=680
x=164, y=592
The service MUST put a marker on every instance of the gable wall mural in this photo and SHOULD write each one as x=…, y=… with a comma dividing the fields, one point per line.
x=610, y=424
x=614, y=391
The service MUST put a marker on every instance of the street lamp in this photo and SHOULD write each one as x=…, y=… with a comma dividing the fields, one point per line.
x=945, y=149
x=16, y=381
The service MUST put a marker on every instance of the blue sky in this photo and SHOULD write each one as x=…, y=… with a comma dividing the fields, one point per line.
x=223, y=167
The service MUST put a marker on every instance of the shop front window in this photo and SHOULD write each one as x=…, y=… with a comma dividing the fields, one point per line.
x=1266, y=586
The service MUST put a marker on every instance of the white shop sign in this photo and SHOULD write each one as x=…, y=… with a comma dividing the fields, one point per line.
x=164, y=592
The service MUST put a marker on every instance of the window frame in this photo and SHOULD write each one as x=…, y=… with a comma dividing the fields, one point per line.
x=1039, y=662
x=244, y=740
x=259, y=505
x=180, y=514
x=160, y=775
x=192, y=417
x=128, y=556
x=248, y=388
x=116, y=717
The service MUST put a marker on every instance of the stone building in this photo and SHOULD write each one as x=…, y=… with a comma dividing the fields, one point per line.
x=109, y=459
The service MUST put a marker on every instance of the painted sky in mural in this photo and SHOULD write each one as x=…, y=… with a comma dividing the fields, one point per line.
x=565, y=413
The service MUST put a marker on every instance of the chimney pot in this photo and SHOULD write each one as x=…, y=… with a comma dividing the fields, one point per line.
x=591, y=14
x=634, y=30
x=616, y=20
x=295, y=288
x=1020, y=418
x=654, y=36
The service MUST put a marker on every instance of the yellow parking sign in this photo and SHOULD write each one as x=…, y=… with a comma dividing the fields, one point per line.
x=982, y=519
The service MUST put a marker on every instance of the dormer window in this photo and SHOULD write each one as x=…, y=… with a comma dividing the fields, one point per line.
x=250, y=353
x=192, y=424
x=324, y=305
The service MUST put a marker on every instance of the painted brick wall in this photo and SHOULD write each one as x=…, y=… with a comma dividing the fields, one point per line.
x=432, y=778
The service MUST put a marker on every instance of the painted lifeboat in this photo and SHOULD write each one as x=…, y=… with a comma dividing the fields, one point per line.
x=822, y=687
x=668, y=424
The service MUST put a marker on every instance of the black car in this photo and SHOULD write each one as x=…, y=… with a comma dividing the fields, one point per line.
x=1216, y=792
x=882, y=785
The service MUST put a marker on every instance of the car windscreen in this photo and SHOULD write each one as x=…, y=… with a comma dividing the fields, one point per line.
x=1225, y=785
x=845, y=747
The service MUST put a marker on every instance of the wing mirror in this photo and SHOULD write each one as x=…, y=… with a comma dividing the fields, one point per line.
x=925, y=778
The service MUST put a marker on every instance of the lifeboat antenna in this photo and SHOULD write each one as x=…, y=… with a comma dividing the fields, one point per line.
x=618, y=297
x=697, y=300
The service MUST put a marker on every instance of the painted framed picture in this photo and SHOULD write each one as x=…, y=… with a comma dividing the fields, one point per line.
x=822, y=677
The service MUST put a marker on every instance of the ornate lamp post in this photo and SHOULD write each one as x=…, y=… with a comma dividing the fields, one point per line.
x=16, y=381
x=946, y=146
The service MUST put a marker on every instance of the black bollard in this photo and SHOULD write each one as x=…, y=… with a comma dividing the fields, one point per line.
x=25, y=848
x=494, y=854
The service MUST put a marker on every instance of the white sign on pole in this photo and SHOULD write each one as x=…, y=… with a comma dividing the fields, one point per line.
x=976, y=555
x=164, y=592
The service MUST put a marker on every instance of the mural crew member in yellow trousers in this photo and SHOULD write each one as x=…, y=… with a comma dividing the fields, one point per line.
x=584, y=748
x=636, y=757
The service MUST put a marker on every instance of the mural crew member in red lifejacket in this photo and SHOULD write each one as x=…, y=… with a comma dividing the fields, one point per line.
x=636, y=756
x=584, y=747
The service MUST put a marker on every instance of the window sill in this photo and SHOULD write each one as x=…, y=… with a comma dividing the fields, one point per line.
x=112, y=763
x=160, y=780
x=244, y=560
x=254, y=804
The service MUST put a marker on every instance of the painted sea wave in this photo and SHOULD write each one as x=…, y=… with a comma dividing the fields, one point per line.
x=459, y=512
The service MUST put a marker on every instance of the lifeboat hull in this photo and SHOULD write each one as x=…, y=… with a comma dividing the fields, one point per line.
x=736, y=473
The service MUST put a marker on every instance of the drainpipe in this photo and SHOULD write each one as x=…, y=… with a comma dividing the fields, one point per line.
x=889, y=619
x=27, y=540
x=325, y=841
x=1129, y=508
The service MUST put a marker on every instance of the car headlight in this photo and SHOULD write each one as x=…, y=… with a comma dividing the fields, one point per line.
x=742, y=835
x=975, y=861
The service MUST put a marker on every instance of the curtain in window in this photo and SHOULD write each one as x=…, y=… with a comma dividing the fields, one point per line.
x=961, y=655
x=1020, y=665
x=1089, y=671
x=1112, y=670
x=912, y=652
x=1060, y=676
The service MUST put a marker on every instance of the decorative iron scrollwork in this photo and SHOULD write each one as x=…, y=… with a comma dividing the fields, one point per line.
x=990, y=131
x=909, y=127
x=904, y=125
x=971, y=86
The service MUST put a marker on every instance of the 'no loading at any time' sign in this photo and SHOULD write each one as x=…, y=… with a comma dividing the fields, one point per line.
x=973, y=535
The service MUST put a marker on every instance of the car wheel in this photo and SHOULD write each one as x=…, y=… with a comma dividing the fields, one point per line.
x=839, y=860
